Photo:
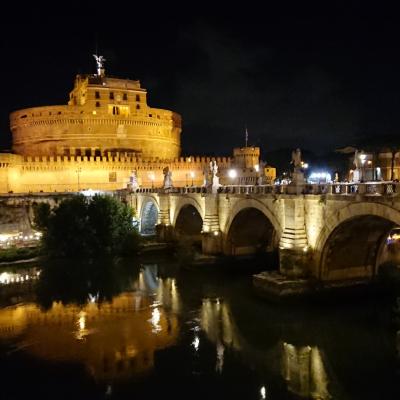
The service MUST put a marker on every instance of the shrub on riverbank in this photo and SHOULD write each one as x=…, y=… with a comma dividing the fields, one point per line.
x=87, y=228
x=16, y=254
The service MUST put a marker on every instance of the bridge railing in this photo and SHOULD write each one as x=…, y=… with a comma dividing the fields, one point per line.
x=384, y=188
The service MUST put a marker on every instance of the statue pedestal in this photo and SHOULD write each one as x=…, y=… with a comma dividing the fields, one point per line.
x=297, y=184
x=215, y=184
x=298, y=178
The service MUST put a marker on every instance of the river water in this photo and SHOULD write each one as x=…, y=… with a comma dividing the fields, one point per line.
x=159, y=330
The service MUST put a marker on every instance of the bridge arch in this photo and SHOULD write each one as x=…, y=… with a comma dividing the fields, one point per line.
x=185, y=202
x=189, y=223
x=251, y=227
x=351, y=242
x=187, y=219
x=149, y=211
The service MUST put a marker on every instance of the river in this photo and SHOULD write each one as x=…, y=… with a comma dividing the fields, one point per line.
x=164, y=331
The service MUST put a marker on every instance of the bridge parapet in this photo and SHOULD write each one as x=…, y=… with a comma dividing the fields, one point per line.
x=340, y=188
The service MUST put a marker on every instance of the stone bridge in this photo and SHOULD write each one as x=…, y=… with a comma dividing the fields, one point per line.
x=332, y=232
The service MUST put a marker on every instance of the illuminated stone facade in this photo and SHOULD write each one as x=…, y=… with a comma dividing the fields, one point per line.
x=103, y=139
x=103, y=116
x=24, y=174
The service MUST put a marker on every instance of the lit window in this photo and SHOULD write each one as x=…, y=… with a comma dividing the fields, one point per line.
x=112, y=177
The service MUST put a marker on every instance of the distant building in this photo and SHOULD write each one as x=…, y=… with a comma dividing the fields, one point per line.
x=383, y=165
x=247, y=169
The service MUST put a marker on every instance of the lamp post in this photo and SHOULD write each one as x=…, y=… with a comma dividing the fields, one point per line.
x=78, y=171
x=151, y=176
x=192, y=176
x=363, y=158
x=232, y=173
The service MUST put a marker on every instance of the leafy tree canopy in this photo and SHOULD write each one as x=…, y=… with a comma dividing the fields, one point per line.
x=81, y=227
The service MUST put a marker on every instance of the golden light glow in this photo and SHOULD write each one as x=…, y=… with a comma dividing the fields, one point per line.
x=155, y=320
x=196, y=343
x=118, y=333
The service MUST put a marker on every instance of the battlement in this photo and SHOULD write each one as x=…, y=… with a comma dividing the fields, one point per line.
x=124, y=158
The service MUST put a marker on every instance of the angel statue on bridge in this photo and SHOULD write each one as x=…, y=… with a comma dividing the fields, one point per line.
x=296, y=159
x=167, y=178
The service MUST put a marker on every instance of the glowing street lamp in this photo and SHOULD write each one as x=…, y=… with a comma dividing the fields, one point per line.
x=363, y=158
x=192, y=176
x=152, y=177
x=232, y=173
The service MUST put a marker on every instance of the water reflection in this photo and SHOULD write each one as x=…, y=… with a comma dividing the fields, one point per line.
x=217, y=322
x=304, y=371
x=21, y=276
x=144, y=326
x=79, y=282
x=114, y=339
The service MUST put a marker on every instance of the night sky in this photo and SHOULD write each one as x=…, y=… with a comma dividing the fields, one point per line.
x=304, y=77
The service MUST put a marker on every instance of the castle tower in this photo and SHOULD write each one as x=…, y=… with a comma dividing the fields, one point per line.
x=246, y=157
x=104, y=115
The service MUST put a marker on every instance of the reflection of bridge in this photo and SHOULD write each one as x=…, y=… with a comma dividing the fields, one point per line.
x=332, y=231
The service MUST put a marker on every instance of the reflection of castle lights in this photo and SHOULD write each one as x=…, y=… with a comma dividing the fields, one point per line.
x=7, y=278
x=220, y=357
x=81, y=323
x=263, y=393
x=196, y=343
x=155, y=319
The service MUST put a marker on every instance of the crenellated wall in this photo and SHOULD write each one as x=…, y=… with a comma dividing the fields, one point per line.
x=24, y=174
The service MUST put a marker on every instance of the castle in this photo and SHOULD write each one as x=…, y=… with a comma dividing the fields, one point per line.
x=104, y=135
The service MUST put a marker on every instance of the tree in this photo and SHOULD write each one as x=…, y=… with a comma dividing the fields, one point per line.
x=89, y=228
x=41, y=214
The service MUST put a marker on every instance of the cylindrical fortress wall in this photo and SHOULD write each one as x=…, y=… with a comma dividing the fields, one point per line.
x=71, y=130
